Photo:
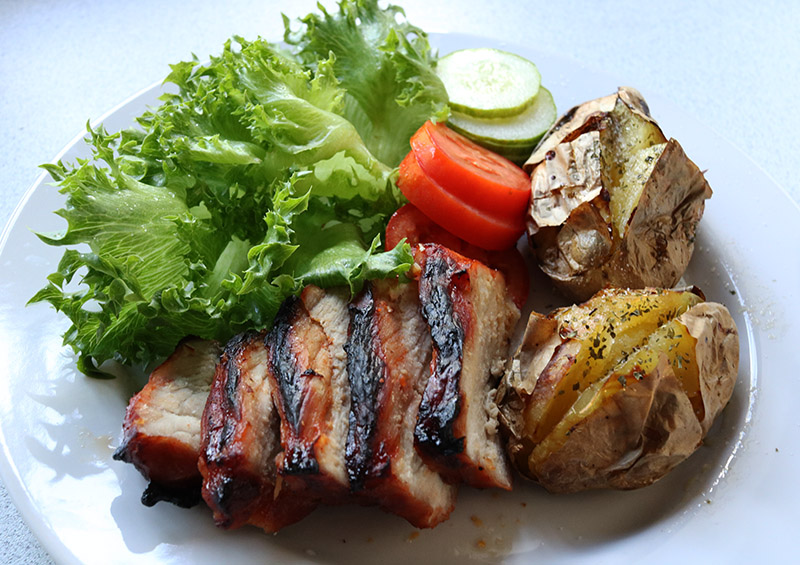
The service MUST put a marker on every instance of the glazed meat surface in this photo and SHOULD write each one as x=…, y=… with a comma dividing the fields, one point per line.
x=308, y=375
x=388, y=355
x=385, y=399
x=241, y=441
x=471, y=319
x=161, y=431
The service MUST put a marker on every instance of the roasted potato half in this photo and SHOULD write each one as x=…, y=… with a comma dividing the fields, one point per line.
x=613, y=202
x=618, y=390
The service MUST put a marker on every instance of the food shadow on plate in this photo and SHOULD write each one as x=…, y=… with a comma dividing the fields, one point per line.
x=71, y=441
x=487, y=526
x=596, y=518
x=143, y=528
x=79, y=443
x=490, y=526
x=482, y=528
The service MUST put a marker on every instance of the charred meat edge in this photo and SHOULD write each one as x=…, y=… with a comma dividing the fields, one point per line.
x=169, y=461
x=241, y=435
x=366, y=371
x=311, y=391
x=442, y=433
x=441, y=403
x=388, y=358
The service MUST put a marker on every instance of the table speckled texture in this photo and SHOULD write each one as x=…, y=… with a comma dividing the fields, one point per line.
x=735, y=66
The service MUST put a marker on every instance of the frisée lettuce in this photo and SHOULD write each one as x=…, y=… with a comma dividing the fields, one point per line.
x=266, y=169
x=382, y=62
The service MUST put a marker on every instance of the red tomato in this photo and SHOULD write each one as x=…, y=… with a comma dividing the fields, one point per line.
x=411, y=224
x=414, y=226
x=476, y=176
x=456, y=216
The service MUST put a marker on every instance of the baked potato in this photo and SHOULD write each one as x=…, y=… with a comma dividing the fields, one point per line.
x=613, y=202
x=618, y=390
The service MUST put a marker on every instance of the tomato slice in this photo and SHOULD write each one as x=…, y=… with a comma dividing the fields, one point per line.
x=411, y=224
x=456, y=216
x=476, y=176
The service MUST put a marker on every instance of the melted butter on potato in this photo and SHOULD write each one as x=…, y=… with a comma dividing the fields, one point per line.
x=617, y=391
x=597, y=335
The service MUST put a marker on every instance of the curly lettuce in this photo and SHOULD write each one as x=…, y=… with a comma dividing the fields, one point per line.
x=266, y=170
x=386, y=67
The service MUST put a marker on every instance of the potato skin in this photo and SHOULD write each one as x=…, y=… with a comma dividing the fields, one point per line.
x=587, y=117
x=630, y=441
x=569, y=222
x=717, y=356
x=637, y=426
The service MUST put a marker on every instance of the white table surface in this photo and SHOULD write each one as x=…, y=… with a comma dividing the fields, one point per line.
x=735, y=66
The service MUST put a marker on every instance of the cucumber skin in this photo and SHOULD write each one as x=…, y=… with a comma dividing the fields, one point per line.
x=516, y=151
x=485, y=113
x=517, y=154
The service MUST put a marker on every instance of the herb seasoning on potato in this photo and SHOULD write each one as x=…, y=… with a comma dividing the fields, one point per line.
x=613, y=202
x=617, y=391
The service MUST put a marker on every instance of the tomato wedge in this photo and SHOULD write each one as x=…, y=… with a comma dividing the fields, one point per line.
x=456, y=216
x=411, y=224
x=476, y=176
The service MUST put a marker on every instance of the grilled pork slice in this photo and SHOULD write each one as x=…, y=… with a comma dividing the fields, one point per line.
x=309, y=382
x=388, y=355
x=241, y=441
x=161, y=431
x=471, y=319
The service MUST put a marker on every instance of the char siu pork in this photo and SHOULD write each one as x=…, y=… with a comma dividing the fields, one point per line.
x=161, y=431
x=471, y=318
x=385, y=399
x=388, y=358
x=241, y=441
x=308, y=376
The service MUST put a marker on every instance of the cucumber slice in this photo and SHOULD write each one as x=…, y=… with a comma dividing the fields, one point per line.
x=487, y=82
x=514, y=134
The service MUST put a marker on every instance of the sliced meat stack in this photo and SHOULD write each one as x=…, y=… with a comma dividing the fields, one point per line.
x=471, y=318
x=161, y=431
x=388, y=359
x=386, y=399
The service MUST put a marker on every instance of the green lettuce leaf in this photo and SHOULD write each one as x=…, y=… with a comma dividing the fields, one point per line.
x=386, y=67
x=261, y=172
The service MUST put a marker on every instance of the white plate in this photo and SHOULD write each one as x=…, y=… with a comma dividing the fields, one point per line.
x=734, y=499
